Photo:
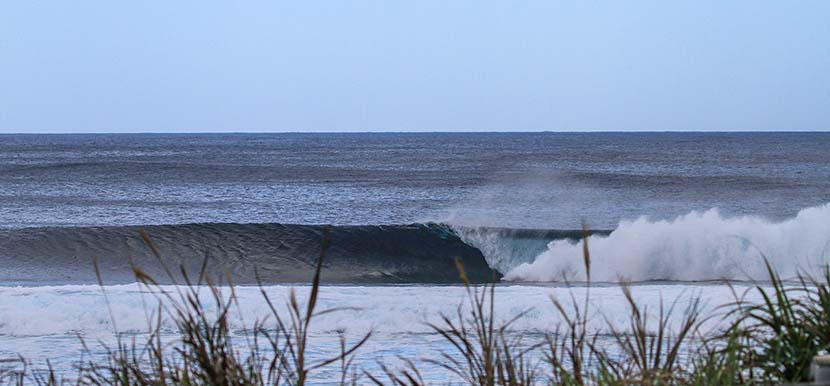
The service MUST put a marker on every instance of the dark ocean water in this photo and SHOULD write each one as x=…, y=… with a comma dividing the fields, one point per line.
x=528, y=180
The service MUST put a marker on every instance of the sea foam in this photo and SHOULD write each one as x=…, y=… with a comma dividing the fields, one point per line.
x=44, y=323
x=696, y=246
x=388, y=311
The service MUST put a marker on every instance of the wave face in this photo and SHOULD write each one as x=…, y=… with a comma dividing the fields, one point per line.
x=276, y=253
x=695, y=246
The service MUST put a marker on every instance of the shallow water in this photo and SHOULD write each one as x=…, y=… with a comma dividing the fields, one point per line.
x=44, y=323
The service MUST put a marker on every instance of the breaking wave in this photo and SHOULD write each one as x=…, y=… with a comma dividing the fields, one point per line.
x=696, y=246
x=506, y=248
x=693, y=247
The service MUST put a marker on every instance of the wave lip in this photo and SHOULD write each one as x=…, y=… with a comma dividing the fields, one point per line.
x=506, y=248
x=697, y=246
x=248, y=253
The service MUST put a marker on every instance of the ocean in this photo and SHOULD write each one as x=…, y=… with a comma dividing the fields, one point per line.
x=676, y=213
x=521, y=180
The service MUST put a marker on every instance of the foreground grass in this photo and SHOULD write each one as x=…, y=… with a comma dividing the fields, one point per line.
x=767, y=342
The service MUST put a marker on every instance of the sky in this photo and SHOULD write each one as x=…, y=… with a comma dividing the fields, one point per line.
x=462, y=65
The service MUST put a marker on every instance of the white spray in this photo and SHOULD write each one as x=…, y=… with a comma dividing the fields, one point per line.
x=695, y=246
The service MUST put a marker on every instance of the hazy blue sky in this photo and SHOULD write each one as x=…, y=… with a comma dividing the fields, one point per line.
x=82, y=66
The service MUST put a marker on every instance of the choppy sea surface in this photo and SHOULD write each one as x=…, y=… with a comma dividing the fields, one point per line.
x=680, y=211
x=527, y=180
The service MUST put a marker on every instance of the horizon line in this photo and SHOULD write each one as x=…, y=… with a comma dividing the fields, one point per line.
x=412, y=132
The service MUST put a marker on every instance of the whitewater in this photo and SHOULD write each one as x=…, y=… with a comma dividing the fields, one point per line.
x=48, y=323
x=692, y=247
